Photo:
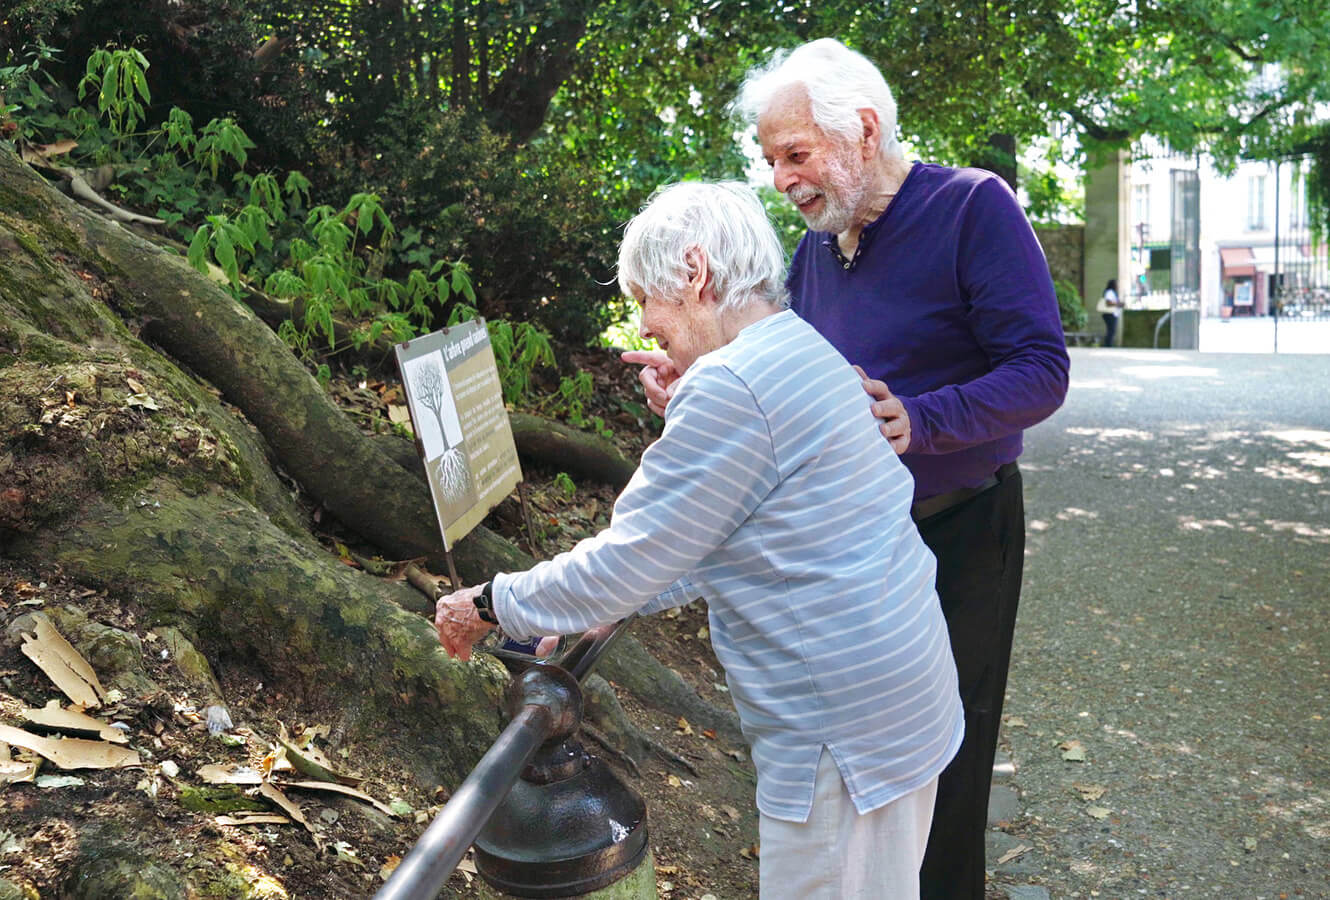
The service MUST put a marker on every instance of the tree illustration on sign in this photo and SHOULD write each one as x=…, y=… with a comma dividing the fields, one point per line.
x=451, y=470
x=434, y=392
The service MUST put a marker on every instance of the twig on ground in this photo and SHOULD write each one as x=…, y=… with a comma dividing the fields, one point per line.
x=670, y=756
x=604, y=742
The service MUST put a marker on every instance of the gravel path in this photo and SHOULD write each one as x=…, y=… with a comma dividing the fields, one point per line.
x=1173, y=631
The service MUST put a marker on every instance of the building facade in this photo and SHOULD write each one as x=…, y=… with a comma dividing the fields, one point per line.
x=1217, y=248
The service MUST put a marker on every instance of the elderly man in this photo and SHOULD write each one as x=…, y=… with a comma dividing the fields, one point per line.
x=931, y=281
x=771, y=493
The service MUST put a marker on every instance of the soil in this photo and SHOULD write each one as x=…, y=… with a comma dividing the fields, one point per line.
x=699, y=794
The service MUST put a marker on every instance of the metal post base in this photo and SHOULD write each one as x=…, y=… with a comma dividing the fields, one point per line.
x=640, y=884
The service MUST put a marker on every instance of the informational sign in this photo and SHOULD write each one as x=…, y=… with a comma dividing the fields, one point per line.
x=462, y=430
x=1242, y=293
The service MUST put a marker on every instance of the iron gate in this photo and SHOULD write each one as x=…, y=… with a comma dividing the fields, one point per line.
x=1301, y=281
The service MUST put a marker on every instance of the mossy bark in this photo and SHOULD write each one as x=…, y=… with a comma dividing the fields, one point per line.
x=218, y=567
x=119, y=464
x=50, y=238
x=126, y=471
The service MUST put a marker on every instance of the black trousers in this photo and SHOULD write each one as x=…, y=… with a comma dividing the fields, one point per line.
x=980, y=549
x=1110, y=328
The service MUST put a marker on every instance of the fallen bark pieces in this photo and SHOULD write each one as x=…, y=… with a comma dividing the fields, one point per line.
x=62, y=664
x=72, y=753
x=73, y=721
x=270, y=792
x=341, y=789
x=253, y=819
x=309, y=761
x=215, y=774
x=13, y=771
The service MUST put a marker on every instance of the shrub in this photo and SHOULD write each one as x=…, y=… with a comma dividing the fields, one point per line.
x=537, y=238
x=1070, y=306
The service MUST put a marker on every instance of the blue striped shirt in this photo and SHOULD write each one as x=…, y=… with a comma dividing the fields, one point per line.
x=772, y=494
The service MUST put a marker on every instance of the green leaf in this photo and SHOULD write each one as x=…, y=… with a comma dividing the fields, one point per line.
x=285, y=283
x=198, y=249
x=140, y=82
x=225, y=252
x=297, y=186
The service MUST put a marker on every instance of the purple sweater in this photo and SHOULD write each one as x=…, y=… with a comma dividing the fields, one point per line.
x=949, y=301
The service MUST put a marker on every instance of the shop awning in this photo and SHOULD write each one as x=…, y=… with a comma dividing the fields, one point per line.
x=1237, y=262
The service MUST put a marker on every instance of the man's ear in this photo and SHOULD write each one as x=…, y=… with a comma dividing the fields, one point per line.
x=872, y=135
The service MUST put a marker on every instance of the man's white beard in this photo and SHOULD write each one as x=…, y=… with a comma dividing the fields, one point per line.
x=841, y=194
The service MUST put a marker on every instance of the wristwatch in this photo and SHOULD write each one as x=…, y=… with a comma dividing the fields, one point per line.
x=484, y=602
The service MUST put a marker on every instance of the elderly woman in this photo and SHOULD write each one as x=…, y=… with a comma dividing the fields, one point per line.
x=772, y=494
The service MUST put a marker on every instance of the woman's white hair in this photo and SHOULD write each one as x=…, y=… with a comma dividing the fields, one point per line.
x=839, y=83
x=726, y=221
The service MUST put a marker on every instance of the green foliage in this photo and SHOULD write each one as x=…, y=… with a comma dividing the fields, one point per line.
x=21, y=91
x=29, y=23
x=570, y=401
x=519, y=349
x=565, y=485
x=329, y=273
x=574, y=393
x=1318, y=184
x=1070, y=306
x=535, y=235
x=257, y=229
x=119, y=79
x=519, y=136
x=1051, y=196
x=165, y=168
x=625, y=329
x=221, y=138
x=789, y=225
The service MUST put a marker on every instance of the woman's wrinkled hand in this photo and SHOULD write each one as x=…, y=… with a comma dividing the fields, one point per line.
x=458, y=623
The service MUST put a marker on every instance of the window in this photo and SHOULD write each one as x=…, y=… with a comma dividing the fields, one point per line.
x=1141, y=203
x=1297, y=207
x=1255, y=202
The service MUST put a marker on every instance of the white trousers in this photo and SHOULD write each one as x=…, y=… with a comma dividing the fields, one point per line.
x=840, y=855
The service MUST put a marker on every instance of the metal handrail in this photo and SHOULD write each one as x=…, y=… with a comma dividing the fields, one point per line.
x=1160, y=324
x=582, y=657
x=422, y=874
x=430, y=863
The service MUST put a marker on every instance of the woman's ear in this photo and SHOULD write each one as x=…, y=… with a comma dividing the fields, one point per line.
x=698, y=271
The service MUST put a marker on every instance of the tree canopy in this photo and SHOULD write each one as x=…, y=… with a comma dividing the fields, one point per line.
x=519, y=135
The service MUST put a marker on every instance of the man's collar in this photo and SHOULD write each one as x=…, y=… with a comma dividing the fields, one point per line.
x=832, y=241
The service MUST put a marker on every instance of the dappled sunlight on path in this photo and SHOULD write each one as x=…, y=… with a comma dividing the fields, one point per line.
x=1173, y=626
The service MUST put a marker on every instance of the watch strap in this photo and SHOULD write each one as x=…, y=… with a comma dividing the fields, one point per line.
x=484, y=602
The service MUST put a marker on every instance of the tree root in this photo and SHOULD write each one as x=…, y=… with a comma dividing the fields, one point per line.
x=563, y=449
x=621, y=757
x=629, y=665
x=602, y=706
x=254, y=597
x=210, y=541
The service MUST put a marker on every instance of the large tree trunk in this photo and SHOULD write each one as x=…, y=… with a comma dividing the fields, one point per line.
x=119, y=466
x=121, y=469
x=200, y=325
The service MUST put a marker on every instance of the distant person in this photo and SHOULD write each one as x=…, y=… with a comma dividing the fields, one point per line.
x=929, y=278
x=772, y=494
x=1111, y=308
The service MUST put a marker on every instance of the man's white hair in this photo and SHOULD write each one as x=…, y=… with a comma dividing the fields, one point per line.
x=726, y=221
x=839, y=82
